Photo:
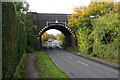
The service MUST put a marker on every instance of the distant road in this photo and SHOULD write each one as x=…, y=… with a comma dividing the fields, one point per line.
x=78, y=67
x=53, y=44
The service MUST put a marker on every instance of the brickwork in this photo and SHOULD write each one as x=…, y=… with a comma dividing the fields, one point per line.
x=41, y=19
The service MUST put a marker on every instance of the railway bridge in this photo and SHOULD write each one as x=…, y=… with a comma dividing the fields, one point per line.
x=47, y=21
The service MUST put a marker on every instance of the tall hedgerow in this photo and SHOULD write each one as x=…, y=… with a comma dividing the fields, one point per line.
x=97, y=29
x=15, y=35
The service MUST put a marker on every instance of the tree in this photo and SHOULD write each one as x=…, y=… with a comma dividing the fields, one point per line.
x=61, y=39
x=88, y=21
x=45, y=37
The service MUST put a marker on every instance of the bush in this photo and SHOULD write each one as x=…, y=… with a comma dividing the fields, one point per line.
x=76, y=48
x=20, y=70
x=29, y=49
x=97, y=35
x=106, y=36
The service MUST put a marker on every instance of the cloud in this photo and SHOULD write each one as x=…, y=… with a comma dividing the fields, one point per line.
x=55, y=6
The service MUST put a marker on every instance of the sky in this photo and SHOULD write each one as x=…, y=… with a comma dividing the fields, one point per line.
x=53, y=31
x=55, y=6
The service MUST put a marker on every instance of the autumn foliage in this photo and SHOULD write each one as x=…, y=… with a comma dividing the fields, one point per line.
x=97, y=29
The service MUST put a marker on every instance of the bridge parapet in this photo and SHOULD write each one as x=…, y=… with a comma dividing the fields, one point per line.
x=55, y=23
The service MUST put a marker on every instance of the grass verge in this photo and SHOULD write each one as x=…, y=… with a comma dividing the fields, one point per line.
x=21, y=67
x=76, y=48
x=47, y=68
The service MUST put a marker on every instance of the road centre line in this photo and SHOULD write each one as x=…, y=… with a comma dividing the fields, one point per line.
x=82, y=63
x=62, y=54
x=77, y=61
x=69, y=57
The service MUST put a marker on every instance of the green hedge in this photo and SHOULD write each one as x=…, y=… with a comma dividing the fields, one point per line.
x=14, y=39
x=106, y=36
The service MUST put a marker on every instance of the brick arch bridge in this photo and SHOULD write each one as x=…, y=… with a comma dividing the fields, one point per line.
x=46, y=21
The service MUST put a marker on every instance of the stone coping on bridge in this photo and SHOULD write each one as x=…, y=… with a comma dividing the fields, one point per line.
x=50, y=13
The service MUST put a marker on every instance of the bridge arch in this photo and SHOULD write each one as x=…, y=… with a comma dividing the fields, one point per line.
x=46, y=21
x=64, y=29
x=70, y=36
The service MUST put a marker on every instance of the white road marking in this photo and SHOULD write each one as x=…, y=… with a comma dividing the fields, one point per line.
x=53, y=59
x=82, y=63
x=59, y=67
x=62, y=54
x=69, y=57
x=56, y=63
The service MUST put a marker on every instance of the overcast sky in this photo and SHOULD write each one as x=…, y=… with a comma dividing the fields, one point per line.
x=55, y=6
